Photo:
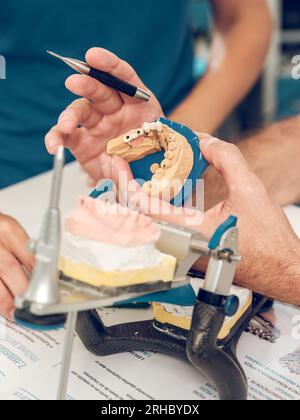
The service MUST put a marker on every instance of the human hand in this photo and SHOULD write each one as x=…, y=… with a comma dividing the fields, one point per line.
x=14, y=258
x=268, y=245
x=88, y=124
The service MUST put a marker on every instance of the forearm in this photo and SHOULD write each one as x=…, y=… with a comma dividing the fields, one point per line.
x=225, y=83
x=274, y=155
x=276, y=276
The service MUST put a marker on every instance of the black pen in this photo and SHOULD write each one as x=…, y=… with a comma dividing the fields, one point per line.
x=105, y=78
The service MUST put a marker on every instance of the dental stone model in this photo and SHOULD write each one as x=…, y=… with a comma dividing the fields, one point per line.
x=180, y=318
x=109, y=245
x=169, y=176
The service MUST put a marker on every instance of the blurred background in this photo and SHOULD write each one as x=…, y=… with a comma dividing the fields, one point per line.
x=29, y=109
x=277, y=94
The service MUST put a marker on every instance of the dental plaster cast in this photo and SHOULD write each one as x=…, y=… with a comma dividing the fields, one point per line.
x=110, y=245
x=169, y=176
x=179, y=318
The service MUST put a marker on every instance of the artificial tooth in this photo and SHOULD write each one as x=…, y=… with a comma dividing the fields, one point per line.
x=155, y=167
x=158, y=174
x=169, y=155
x=171, y=139
x=147, y=128
x=164, y=145
x=159, y=126
x=162, y=138
x=166, y=164
x=173, y=146
x=147, y=186
x=155, y=184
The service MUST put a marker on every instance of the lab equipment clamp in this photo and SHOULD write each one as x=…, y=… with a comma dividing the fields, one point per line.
x=52, y=300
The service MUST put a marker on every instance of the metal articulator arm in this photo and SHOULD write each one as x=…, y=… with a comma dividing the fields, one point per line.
x=212, y=306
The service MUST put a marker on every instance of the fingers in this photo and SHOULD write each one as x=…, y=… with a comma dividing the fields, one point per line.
x=80, y=112
x=118, y=170
x=13, y=257
x=106, y=100
x=102, y=59
x=17, y=246
x=132, y=195
x=115, y=168
x=13, y=282
x=54, y=138
x=14, y=240
x=229, y=162
x=12, y=273
x=6, y=302
x=90, y=182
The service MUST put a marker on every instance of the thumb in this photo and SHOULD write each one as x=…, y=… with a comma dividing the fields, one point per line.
x=214, y=218
x=241, y=183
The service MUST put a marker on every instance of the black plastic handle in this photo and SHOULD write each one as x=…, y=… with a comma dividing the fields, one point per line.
x=209, y=359
x=219, y=364
x=114, y=82
x=137, y=336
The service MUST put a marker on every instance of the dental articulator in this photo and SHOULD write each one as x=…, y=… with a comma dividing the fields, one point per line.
x=211, y=313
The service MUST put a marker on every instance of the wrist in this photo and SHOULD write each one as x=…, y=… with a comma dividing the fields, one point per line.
x=192, y=114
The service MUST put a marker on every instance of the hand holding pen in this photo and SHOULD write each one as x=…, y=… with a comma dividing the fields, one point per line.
x=102, y=113
x=104, y=77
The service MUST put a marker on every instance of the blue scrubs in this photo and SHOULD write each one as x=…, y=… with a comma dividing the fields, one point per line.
x=155, y=37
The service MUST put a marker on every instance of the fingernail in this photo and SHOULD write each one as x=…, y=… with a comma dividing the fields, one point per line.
x=105, y=162
x=65, y=115
x=51, y=144
x=204, y=136
x=205, y=142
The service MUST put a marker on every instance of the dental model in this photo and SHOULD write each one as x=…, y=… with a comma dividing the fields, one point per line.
x=179, y=318
x=169, y=176
x=109, y=245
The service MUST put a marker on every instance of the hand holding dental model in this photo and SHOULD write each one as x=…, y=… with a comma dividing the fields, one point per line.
x=270, y=248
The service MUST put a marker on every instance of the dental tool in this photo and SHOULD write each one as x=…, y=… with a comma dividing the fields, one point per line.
x=104, y=77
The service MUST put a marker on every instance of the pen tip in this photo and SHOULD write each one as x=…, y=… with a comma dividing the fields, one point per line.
x=54, y=54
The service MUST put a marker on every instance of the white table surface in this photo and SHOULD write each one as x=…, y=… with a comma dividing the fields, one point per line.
x=28, y=201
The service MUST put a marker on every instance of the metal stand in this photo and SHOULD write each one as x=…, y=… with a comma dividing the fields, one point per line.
x=67, y=356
